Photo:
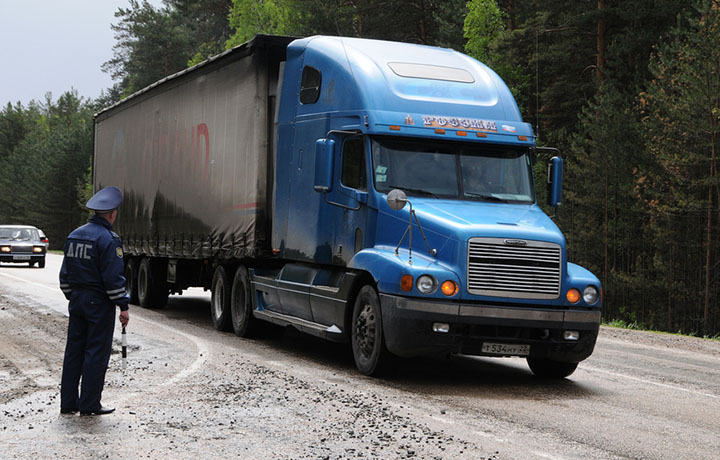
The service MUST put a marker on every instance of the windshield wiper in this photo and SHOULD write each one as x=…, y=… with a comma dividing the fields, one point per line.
x=486, y=197
x=415, y=190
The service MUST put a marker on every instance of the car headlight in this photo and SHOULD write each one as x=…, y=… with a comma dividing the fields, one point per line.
x=426, y=284
x=590, y=295
x=5, y=249
x=38, y=249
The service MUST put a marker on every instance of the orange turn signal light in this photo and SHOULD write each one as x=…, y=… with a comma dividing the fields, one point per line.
x=406, y=283
x=481, y=134
x=394, y=128
x=449, y=288
x=573, y=296
x=439, y=131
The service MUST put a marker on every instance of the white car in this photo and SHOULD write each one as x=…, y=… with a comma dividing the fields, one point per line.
x=23, y=244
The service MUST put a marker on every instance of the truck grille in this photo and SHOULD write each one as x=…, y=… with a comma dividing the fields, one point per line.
x=514, y=268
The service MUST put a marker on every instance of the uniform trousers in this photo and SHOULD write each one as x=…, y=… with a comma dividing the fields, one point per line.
x=87, y=352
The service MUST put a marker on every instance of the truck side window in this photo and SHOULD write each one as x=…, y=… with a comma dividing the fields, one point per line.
x=353, y=164
x=310, y=85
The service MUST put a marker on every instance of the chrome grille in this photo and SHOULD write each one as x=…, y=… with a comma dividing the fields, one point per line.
x=521, y=269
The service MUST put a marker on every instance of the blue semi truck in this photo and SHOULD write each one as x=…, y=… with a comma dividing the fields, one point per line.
x=362, y=191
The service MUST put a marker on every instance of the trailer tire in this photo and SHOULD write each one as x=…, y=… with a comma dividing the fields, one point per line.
x=548, y=369
x=244, y=323
x=152, y=285
x=220, y=299
x=131, y=280
x=368, y=341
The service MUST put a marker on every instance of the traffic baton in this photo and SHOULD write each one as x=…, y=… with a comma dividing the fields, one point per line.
x=124, y=348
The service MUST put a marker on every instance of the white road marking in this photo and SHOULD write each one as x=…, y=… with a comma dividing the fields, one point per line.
x=650, y=382
x=202, y=352
x=56, y=288
x=546, y=455
x=442, y=419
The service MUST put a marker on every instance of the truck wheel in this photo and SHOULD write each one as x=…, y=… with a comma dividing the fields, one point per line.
x=244, y=323
x=152, y=285
x=220, y=300
x=548, y=369
x=131, y=280
x=368, y=343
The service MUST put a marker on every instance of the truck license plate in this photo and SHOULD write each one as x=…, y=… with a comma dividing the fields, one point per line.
x=506, y=349
x=21, y=257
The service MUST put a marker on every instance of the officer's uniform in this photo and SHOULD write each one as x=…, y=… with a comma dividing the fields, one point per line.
x=92, y=280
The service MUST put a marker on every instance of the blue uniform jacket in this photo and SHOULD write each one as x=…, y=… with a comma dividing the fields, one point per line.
x=94, y=263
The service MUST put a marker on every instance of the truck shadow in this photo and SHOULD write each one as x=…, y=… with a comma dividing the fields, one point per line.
x=469, y=376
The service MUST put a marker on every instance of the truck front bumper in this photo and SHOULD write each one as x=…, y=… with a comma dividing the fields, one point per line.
x=408, y=328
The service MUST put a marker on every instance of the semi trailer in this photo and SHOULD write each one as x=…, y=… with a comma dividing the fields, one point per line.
x=367, y=192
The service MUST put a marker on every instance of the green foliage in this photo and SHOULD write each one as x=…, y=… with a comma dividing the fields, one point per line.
x=431, y=22
x=40, y=170
x=680, y=114
x=484, y=24
x=154, y=43
x=251, y=17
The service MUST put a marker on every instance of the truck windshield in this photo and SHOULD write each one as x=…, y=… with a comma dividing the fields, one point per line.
x=453, y=170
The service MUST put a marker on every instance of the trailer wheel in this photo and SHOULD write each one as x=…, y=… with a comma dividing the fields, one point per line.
x=548, y=369
x=220, y=300
x=368, y=343
x=152, y=285
x=244, y=323
x=131, y=280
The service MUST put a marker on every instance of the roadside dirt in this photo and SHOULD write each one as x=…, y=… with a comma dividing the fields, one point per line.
x=192, y=393
x=184, y=397
x=669, y=341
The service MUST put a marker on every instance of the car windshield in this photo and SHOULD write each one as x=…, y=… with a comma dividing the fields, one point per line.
x=453, y=170
x=18, y=234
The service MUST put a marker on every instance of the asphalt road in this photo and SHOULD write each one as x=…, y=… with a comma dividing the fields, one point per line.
x=191, y=392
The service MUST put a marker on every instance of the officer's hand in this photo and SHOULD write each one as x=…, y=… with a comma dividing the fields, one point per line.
x=124, y=317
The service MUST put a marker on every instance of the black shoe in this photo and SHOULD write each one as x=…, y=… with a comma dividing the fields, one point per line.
x=67, y=411
x=102, y=411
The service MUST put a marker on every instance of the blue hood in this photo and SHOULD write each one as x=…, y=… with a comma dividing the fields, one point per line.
x=449, y=224
x=462, y=220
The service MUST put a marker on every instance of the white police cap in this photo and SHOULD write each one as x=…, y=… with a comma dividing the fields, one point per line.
x=107, y=199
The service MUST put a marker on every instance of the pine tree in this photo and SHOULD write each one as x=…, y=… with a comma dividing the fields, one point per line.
x=682, y=118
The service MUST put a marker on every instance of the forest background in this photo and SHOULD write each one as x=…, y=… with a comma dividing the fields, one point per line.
x=629, y=91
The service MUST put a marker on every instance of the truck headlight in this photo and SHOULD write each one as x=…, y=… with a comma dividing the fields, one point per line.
x=426, y=284
x=590, y=295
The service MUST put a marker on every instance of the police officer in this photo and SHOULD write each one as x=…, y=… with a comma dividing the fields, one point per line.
x=92, y=280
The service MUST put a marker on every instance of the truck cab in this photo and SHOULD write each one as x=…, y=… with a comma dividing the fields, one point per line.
x=405, y=213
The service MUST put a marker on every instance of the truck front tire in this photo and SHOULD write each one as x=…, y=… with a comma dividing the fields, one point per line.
x=220, y=300
x=548, y=369
x=368, y=342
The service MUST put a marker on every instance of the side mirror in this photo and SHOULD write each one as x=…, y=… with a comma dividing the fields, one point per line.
x=555, y=172
x=396, y=199
x=324, y=159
